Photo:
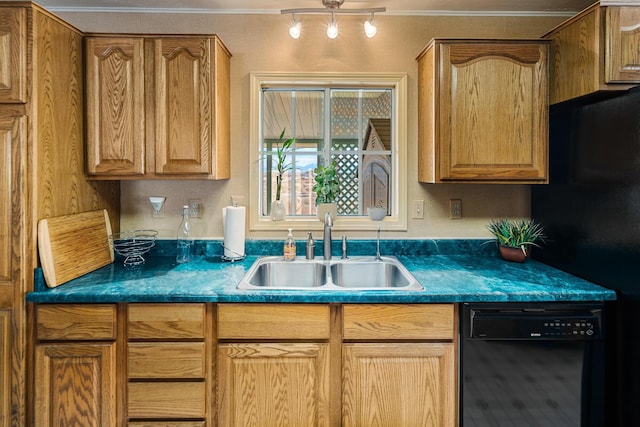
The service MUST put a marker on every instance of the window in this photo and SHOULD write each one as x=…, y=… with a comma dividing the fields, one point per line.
x=357, y=122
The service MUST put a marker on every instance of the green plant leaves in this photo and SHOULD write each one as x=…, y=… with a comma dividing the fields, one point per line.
x=282, y=149
x=516, y=233
x=327, y=186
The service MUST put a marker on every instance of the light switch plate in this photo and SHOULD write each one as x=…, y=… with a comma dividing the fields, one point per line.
x=417, y=210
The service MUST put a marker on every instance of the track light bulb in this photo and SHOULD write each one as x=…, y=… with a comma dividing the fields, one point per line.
x=370, y=28
x=332, y=29
x=294, y=29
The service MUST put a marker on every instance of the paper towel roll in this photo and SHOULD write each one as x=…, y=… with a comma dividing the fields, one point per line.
x=233, y=225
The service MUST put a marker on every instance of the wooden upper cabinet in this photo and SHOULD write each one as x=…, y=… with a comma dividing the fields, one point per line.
x=13, y=46
x=595, y=51
x=115, y=106
x=183, y=105
x=622, y=50
x=157, y=107
x=483, y=111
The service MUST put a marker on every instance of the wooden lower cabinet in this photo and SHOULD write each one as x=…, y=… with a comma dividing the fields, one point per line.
x=273, y=384
x=75, y=380
x=399, y=365
x=197, y=365
x=166, y=400
x=168, y=365
x=404, y=375
x=75, y=384
x=399, y=384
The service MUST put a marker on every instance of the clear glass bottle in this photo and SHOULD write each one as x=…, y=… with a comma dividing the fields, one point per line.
x=185, y=242
x=290, y=247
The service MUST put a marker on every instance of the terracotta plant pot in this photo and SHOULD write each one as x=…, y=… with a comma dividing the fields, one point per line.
x=512, y=254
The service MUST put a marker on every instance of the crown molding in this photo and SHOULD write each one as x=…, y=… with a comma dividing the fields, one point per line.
x=197, y=11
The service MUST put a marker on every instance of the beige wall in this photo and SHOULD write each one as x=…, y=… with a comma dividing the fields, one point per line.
x=262, y=43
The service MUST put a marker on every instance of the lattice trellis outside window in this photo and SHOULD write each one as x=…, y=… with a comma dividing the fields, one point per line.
x=352, y=126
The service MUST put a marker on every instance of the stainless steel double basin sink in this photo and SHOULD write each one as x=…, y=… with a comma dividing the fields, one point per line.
x=351, y=274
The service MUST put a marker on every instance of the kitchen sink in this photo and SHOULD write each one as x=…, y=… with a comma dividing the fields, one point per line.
x=370, y=275
x=276, y=273
x=353, y=274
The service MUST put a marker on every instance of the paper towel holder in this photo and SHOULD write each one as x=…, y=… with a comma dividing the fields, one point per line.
x=240, y=257
x=235, y=255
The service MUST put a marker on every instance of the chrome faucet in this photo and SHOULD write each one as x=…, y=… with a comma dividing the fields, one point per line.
x=326, y=240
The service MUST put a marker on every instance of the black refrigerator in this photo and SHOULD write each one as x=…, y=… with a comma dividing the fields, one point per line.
x=591, y=213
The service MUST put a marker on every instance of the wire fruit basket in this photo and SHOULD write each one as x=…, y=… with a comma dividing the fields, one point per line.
x=133, y=244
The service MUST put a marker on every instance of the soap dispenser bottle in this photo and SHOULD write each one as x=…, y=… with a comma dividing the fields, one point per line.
x=290, y=247
x=311, y=247
x=185, y=242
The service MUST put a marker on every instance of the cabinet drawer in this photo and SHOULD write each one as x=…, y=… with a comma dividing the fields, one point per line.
x=166, y=400
x=76, y=322
x=273, y=321
x=166, y=360
x=398, y=322
x=166, y=321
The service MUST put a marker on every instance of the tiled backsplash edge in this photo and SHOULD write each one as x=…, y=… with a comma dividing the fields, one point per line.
x=212, y=248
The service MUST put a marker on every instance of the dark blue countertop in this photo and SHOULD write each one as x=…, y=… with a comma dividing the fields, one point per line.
x=450, y=271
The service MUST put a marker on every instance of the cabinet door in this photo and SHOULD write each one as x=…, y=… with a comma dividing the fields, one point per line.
x=184, y=105
x=399, y=385
x=622, y=53
x=575, y=57
x=493, y=112
x=11, y=158
x=75, y=384
x=5, y=367
x=266, y=385
x=115, y=106
x=11, y=216
x=13, y=25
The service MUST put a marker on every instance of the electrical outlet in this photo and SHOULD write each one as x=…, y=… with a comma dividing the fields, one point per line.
x=195, y=208
x=417, y=210
x=455, y=208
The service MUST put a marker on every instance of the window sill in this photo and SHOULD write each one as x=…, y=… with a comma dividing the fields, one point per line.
x=340, y=224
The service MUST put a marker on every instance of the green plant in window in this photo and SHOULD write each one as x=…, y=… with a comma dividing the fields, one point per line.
x=327, y=185
x=283, y=147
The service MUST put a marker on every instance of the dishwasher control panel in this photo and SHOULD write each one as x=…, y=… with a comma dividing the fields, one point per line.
x=578, y=327
x=523, y=323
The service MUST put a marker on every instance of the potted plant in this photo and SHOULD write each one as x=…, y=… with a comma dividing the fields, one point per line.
x=327, y=189
x=283, y=147
x=515, y=236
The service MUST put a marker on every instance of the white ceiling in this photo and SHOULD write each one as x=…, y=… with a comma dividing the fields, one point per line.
x=394, y=7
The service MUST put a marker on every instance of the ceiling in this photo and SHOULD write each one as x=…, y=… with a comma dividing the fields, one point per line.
x=394, y=7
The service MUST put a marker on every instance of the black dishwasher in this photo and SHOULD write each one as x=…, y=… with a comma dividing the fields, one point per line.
x=532, y=364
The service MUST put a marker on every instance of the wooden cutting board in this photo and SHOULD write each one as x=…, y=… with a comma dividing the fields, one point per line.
x=73, y=245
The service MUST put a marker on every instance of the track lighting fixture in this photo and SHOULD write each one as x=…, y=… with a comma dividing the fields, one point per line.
x=294, y=29
x=332, y=7
x=332, y=28
x=370, y=28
